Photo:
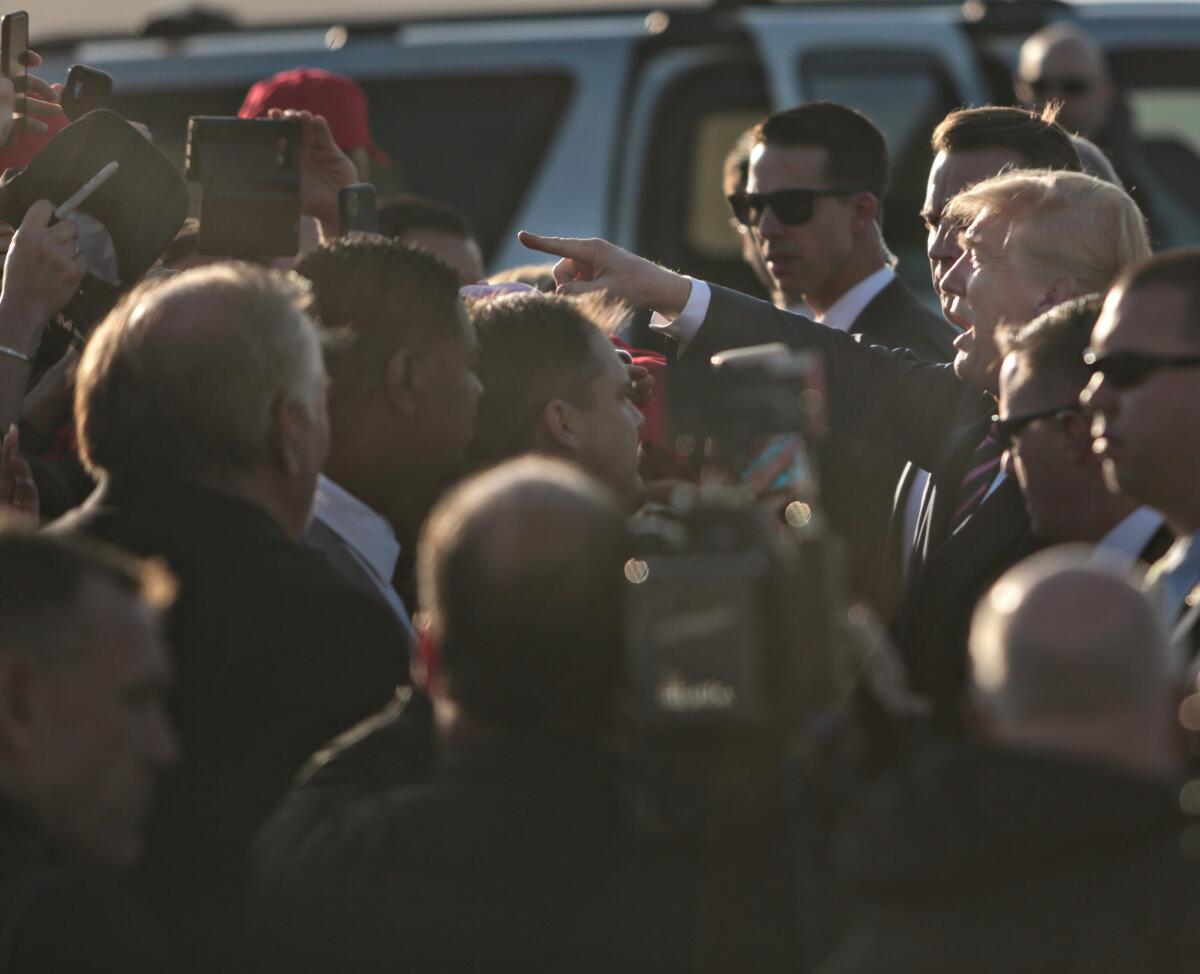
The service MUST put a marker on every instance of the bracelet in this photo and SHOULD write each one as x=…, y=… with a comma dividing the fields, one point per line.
x=13, y=353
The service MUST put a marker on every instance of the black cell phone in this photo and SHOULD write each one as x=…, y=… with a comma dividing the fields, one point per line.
x=86, y=90
x=249, y=172
x=14, y=47
x=358, y=209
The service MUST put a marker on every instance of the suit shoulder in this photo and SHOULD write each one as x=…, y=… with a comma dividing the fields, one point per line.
x=896, y=318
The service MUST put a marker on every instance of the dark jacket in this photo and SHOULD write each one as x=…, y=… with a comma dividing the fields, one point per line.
x=274, y=655
x=926, y=414
x=510, y=854
x=1000, y=862
x=57, y=916
x=858, y=478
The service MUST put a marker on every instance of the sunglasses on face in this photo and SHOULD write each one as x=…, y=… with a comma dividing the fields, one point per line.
x=1009, y=430
x=1128, y=369
x=790, y=206
x=1070, y=87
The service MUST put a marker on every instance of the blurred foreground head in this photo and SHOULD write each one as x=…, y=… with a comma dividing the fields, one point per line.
x=436, y=227
x=212, y=378
x=554, y=384
x=1068, y=658
x=520, y=579
x=84, y=732
x=1062, y=63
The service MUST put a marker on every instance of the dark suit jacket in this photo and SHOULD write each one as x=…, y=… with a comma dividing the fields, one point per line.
x=924, y=413
x=858, y=478
x=274, y=655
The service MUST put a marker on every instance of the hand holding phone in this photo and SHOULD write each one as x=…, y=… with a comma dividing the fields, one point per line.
x=14, y=54
x=358, y=209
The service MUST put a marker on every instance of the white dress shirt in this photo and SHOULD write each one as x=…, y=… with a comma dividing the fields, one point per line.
x=1124, y=544
x=844, y=312
x=367, y=535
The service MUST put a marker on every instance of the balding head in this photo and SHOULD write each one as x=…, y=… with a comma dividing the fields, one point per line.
x=213, y=375
x=1067, y=656
x=1063, y=63
x=520, y=577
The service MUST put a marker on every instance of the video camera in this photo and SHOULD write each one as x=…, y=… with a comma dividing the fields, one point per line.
x=732, y=618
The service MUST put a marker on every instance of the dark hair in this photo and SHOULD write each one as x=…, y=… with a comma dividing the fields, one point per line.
x=736, y=168
x=533, y=348
x=1054, y=342
x=401, y=214
x=1178, y=268
x=44, y=576
x=1038, y=139
x=857, y=151
x=520, y=574
x=377, y=296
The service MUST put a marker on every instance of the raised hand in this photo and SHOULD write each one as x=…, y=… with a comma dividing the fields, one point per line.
x=18, y=492
x=596, y=265
x=41, y=102
x=43, y=268
x=324, y=169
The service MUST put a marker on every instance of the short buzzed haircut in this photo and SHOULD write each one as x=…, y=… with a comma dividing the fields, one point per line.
x=400, y=214
x=1054, y=342
x=520, y=578
x=44, y=577
x=857, y=154
x=533, y=349
x=1038, y=139
x=182, y=379
x=1178, y=269
x=377, y=296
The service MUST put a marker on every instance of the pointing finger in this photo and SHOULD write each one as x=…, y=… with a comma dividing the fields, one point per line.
x=558, y=246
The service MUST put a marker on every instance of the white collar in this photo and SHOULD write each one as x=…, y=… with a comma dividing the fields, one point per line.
x=366, y=532
x=846, y=309
x=1129, y=538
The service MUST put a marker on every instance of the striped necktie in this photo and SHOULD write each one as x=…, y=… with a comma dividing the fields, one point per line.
x=981, y=471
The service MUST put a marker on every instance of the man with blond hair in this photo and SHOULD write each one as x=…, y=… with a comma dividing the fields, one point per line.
x=200, y=406
x=972, y=524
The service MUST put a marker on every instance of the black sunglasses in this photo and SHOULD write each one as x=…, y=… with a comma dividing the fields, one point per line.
x=1128, y=369
x=792, y=206
x=1007, y=430
x=1071, y=87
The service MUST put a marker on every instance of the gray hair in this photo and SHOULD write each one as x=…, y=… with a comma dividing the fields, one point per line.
x=183, y=377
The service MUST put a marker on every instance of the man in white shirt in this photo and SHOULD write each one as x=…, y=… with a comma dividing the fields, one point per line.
x=1049, y=442
x=401, y=405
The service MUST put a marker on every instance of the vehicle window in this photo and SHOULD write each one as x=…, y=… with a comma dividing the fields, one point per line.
x=474, y=142
x=906, y=95
x=696, y=123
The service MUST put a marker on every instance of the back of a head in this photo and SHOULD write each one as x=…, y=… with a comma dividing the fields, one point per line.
x=1068, y=655
x=857, y=155
x=1038, y=140
x=1177, y=269
x=401, y=214
x=1054, y=342
x=520, y=575
x=182, y=378
x=380, y=296
x=533, y=348
x=1061, y=223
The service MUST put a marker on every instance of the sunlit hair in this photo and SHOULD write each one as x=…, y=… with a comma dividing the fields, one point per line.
x=1036, y=137
x=1060, y=223
x=183, y=377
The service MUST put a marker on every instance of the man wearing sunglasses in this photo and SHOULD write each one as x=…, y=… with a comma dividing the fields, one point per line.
x=937, y=416
x=1061, y=63
x=1048, y=442
x=811, y=206
x=1144, y=396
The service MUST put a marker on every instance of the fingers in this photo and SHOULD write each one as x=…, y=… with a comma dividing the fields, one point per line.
x=572, y=247
x=35, y=87
x=37, y=106
x=65, y=231
x=576, y=288
x=38, y=215
x=17, y=487
x=31, y=59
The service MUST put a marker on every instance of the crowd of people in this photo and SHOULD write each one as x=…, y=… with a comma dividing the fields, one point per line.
x=313, y=650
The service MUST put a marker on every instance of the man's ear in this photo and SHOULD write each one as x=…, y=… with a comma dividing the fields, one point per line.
x=1077, y=430
x=427, y=667
x=866, y=211
x=560, y=426
x=289, y=433
x=1062, y=288
x=16, y=705
x=401, y=379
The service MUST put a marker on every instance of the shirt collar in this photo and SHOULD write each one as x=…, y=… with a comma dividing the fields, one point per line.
x=849, y=306
x=364, y=530
x=1129, y=538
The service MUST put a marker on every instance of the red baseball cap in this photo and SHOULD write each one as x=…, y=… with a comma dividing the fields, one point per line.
x=339, y=99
